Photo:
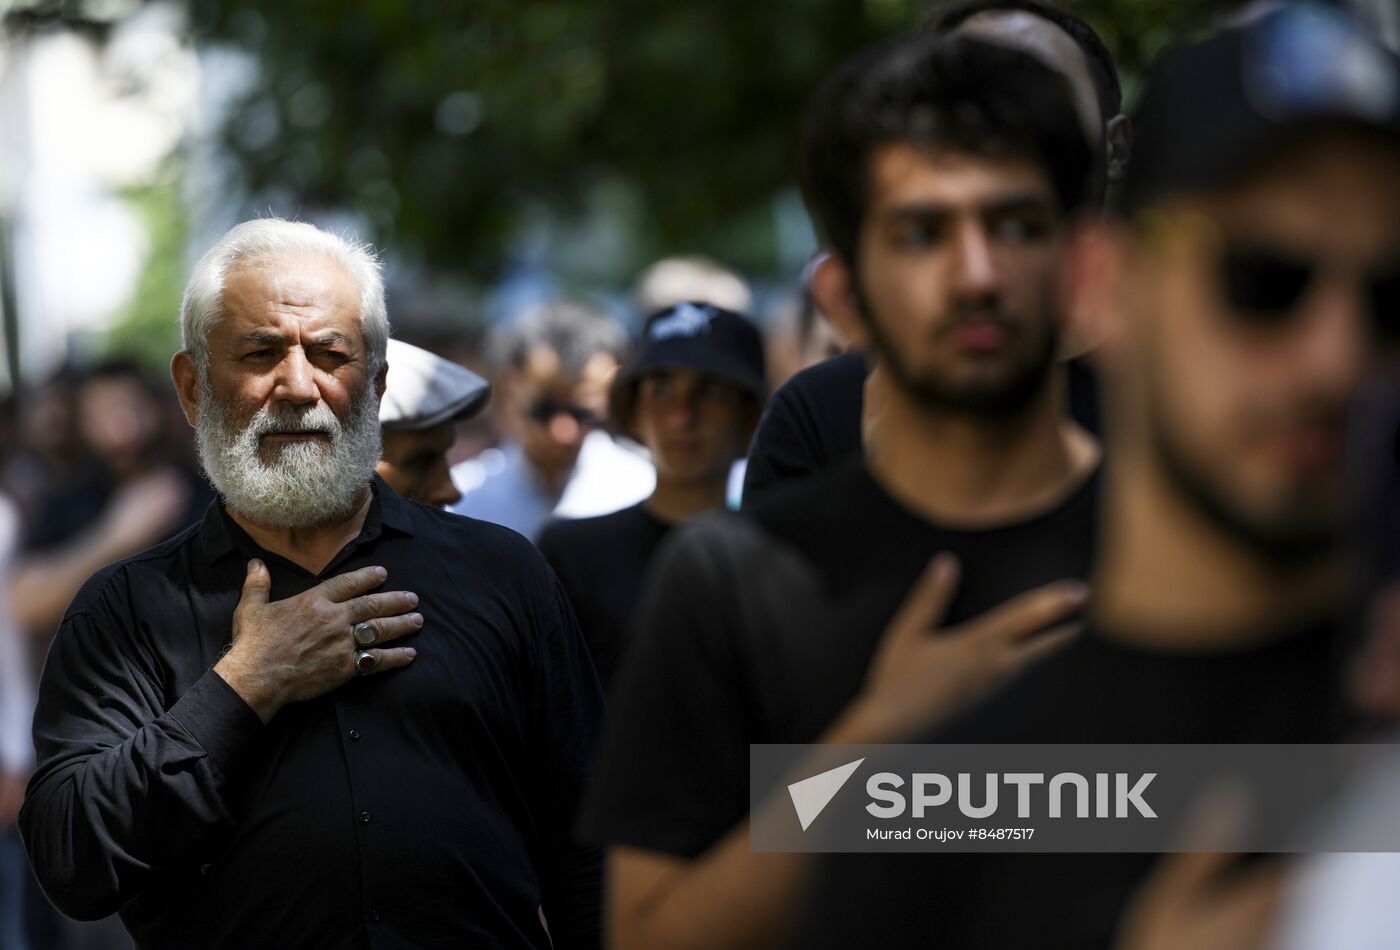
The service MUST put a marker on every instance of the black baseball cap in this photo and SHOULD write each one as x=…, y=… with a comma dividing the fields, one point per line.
x=695, y=336
x=1213, y=110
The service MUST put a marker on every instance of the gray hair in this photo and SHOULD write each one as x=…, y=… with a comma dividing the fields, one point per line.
x=265, y=238
x=573, y=329
x=691, y=278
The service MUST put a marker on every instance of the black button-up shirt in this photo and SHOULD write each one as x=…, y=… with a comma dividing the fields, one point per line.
x=428, y=806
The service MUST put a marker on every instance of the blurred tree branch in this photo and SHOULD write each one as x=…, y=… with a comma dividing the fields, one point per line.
x=450, y=124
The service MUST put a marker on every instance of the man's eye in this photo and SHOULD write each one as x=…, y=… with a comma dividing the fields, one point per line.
x=257, y=354
x=714, y=393
x=1021, y=229
x=916, y=234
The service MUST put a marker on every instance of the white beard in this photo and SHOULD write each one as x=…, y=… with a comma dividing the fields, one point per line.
x=307, y=483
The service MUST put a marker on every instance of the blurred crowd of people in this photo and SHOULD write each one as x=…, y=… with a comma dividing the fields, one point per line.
x=1081, y=428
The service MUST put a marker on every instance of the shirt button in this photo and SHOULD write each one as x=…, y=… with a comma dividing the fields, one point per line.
x=354, y=735
x=364, y=817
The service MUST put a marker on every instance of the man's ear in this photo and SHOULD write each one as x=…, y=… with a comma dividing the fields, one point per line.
x=381, y=381
x=833, y=288
x=1119, y=136
x=1091, y=298
x=186, y=377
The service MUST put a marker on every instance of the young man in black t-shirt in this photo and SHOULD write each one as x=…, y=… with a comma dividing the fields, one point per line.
x=944, y=173
x=691, y=396
x=1250, y=286
x=813, y=420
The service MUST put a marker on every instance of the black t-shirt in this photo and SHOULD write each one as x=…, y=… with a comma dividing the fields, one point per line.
x=814, y=420
x=601, y=562
x=811, y=421
x=760, y=628
x=1100, y=689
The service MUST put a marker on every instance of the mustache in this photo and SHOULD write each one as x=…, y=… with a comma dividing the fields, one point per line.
x=1330, y=417
x=319, y=419
x=978, y=316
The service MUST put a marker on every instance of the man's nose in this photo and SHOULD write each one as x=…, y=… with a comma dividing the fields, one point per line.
x=682, y=412
x=564, y=428
x=974, y=268
x=296, y=380
x=1334, y=351
x=442, y=491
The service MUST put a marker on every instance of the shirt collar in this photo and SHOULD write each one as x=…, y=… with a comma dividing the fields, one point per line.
x=220, y=536
x=395, y=511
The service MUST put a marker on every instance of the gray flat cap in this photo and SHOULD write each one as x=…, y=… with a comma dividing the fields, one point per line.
x=425, y=390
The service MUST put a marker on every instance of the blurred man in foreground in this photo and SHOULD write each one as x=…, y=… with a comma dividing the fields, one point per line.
x=814, y=420
x=945, y=173
x=1248, y=289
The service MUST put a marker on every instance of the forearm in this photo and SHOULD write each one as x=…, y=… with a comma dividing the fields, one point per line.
x=731, y=896
x=99, y=821
x=42, y=586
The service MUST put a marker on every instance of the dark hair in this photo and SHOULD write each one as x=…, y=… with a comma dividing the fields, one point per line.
x=1102, y=69
x=941, y=91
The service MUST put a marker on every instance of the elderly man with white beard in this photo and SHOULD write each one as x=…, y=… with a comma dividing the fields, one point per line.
x=254, y=734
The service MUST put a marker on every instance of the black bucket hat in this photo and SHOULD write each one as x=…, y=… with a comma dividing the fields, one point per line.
x=695, y=336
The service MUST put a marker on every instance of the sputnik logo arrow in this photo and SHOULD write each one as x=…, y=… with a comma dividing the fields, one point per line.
x=811, y=795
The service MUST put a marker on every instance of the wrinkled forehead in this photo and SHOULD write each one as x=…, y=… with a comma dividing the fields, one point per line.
x=1036, y=36
x=291, y=290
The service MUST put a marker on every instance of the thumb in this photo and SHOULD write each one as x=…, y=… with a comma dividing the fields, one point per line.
x=257, y=585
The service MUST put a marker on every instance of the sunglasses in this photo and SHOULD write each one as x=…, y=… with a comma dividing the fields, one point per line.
x=1264, y=287
x=543, y=410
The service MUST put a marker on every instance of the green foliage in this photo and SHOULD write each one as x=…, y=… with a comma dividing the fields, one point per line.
x=148, y=330
x=450, y=125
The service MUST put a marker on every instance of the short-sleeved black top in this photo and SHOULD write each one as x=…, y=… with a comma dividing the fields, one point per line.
x=602, y=563
x=760, y=628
